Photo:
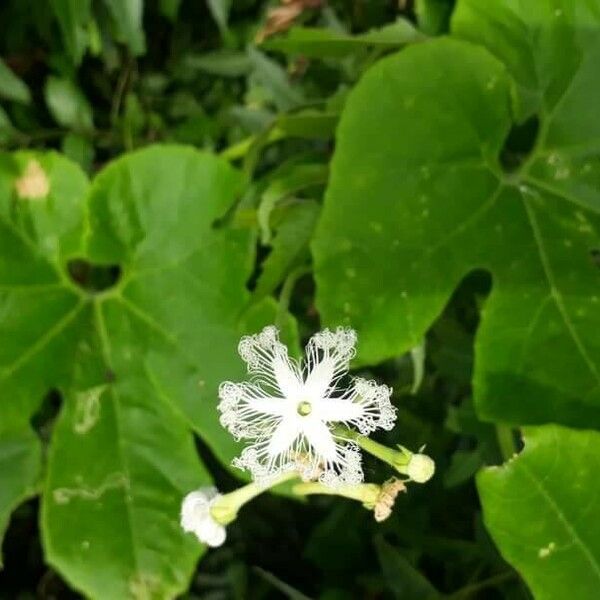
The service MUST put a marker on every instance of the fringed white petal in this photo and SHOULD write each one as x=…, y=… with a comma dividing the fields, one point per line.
x=283, y=438
x=376, y=408
x=328, y=355
x=247, y=411
x=256, y=461
x=320, y=438
x=339, y=410
x=347, y=470
x=267, y=359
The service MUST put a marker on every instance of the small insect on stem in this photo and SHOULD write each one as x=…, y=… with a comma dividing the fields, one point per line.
x=387, y=498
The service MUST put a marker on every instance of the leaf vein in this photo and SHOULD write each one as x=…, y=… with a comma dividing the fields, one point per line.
x=555, y=293
x=562, y=517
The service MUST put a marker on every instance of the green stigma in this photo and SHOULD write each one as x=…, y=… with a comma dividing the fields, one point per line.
x=304, y=408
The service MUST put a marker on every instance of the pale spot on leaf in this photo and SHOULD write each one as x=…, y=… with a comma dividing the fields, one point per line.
x=113, y=481
x=87, y=409
x=34, y=183
x=144, y=586
x=547, y=550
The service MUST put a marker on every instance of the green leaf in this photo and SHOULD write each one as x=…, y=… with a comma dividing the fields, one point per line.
x=542, y=511
x=403, y=580
x=20, y=462
x=79, y=149
x=73, y=18
x=290, y=246
x=138, y=362
x=297, y=178
x=314, y=42
x=127, y=15
x=11, y=87
x=170, y=8
x=120, y=462
x=224, y=63
x=7, y=131
x=551, y=49
x=273, y=78
x=219, y=9
x=463, y=465
x=307, y=124
x=433, y=16
x=417, y=179
x=287, y=590
x=69, y=107
x=34, y=234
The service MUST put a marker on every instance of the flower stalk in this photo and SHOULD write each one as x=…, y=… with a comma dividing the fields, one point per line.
x=226, y=508
x=378, y=498
x=206, y=513
x=365, y=493
x=417, y=466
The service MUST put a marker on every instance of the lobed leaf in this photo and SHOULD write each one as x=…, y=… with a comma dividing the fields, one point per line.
x=138, y=362
x=417, y=177
x=541, y=509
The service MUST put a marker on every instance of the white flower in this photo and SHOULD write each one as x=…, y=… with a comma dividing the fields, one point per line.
x=196, y=517
x=289, y=412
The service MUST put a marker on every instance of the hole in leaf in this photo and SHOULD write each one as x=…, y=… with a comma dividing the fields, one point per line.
x=518, y=144
x=43, y=419
x=93, y=278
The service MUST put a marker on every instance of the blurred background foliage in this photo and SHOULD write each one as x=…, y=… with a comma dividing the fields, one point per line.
x=96, y=78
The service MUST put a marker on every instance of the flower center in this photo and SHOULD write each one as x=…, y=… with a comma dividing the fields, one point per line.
x=304, y=408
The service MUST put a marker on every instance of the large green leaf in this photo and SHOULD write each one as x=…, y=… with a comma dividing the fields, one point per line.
x=418, y=198
x=542, y=511
x=551, y=49
x=120, y=461
x=137, y=363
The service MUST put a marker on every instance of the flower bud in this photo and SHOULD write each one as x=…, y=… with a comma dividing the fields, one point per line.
x=420, y=468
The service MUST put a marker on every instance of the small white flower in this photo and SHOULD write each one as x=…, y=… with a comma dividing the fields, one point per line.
x=196, y=517
x=289, y=411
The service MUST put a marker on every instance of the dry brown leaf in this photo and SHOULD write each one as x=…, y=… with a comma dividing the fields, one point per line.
x=282, y=17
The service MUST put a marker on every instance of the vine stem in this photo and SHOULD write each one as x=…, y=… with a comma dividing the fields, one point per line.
x=506, y=441
x=473, y=588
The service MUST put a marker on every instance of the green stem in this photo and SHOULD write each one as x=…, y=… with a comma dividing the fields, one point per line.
x=506, y=441
x=367, y=493
x=238, y=150
x=285, y=295
x=473, y=588
x=396, y=458
x=226, y=508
